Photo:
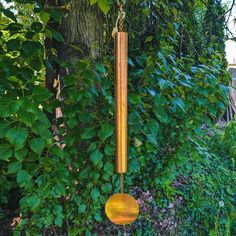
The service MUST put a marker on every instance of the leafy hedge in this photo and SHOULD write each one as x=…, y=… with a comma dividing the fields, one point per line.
x=171, y=94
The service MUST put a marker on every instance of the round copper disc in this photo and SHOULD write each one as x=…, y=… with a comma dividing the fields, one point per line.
x=122, y=209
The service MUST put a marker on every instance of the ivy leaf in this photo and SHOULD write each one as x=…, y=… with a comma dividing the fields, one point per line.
x=30, y=48
x=106, y=131
x=8, y=106
x=20, y=154
x=37, y=145
x=179, y=102
x=96, y=157
x=134, y=98
x=62, y=174
x=27, y=117
x=55, y=14
x=134, y=166
x=82, y=208
x=37, y=27
x=104, y=6
x=5, y=151
x=95, y=194
x=23, y=178
x=17, y=136
x=57, y=36
x=88, y=133
x=14, y=28
x=13, y=45
x=106, y=188
x=9, y=14
x=33, y=202
x=40, y=128
x=101, y=68
x=14, y=167
x=57, y=151
x=109, y=168
x=4, y=127
x=41, y=94
x=35, y=63
x=92, y=2
x=60, y=189
x=98, y=217
x=45, y=17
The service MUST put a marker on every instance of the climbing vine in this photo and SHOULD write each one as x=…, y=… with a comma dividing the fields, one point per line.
x=63, y=168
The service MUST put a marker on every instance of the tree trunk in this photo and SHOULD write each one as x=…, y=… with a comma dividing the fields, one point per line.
x=82, y=29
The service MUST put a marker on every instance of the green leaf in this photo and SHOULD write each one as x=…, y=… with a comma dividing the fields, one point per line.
x=45, y=17
x=37, y=145
x=58, y=220
x=96, y=157
x=35, y=63
x=148, y=39
x=109, y=168
x=5, y=151
x=57, y=36
x=104, y=5
x=8, y=106
x=134, y=166
x=98, y=217
x=60, y=189
x=134, y=98
x=17, y=136
x=41, y=94
x=82, y=208
x=106, y=188
x=27, y=117
x=13, y=45
x=179, y=102
x=23, y=178
x=30, y=48
x=62, y=174
x=37, y=27
x=14, y=167
x=95, y=194
x=9, y=14
x=55, y=14
x=106, y=131
x=41, y=129
x=88, y=133
x=33, y=202
x=4, y=127
x=14, y=28
x=92, y=2
x=20, y=154
x=101, y=68
x=57, y=151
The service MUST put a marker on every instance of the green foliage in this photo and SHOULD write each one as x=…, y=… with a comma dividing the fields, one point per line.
x=103, y=5
x=173, y=90
x=211, y=199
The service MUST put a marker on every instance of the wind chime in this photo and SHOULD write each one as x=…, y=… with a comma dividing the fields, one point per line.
x=121, y=208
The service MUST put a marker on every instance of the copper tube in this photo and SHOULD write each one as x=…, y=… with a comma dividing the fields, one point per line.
x=121, y=111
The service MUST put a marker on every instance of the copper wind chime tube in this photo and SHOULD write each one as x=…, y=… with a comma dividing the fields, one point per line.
x=121, y=107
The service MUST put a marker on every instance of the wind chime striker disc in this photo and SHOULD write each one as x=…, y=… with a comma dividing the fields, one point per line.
x=122, y=209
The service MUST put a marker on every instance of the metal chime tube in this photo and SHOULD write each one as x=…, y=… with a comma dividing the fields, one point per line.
x=121, y=70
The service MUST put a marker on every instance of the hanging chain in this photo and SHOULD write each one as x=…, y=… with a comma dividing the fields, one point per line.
x=122, y=183
x=120, y=18
x=121, y=22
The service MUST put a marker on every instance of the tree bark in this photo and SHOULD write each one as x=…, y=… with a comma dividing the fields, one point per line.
x=82, y=29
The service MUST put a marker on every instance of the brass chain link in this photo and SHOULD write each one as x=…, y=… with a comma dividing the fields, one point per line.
x=122, y=183
x=121, y=22
x=122, y=15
